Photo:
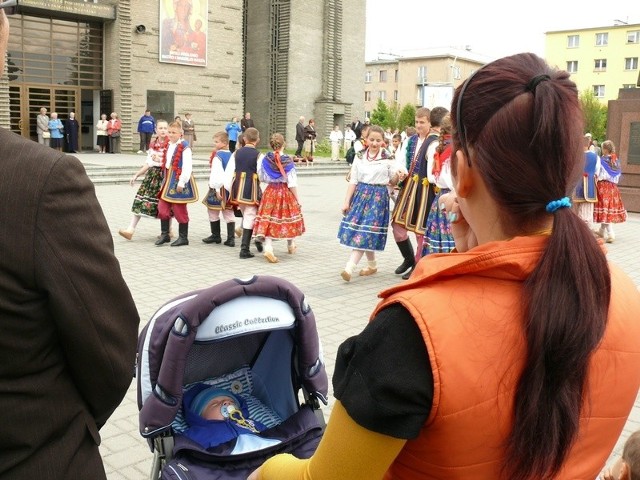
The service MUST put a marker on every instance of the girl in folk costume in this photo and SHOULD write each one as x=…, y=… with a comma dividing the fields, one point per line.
x=609, y=207
x=145, y=203
x=217, y=201
x=438, y=237
x=241, y=179
x=178, y=188
x=279, y=215
x=585, y=195
x=366, y=205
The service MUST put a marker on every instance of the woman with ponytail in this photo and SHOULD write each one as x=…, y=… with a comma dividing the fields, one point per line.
x=279, y=214
x=514, y=357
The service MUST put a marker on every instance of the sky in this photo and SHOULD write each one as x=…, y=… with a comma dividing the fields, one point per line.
x=493, y=28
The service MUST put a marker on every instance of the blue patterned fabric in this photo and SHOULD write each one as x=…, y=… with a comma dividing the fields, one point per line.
x=365, y=225
x=438, y=237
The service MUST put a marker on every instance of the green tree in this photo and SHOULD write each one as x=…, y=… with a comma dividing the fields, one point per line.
x=381, y=115
x=595, y=115
x=406, y=117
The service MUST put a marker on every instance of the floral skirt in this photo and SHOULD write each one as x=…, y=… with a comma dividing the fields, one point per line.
x=366, y=224
x=438, y=237
x=279, y=214
x=609, y=207
x=146, y=201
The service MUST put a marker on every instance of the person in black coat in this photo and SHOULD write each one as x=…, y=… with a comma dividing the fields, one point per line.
x=71, y=130
x=300, y=136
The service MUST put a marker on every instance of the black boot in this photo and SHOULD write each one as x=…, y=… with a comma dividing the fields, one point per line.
x=164, y=232
x=215, y=233
x=246, y=241
x=258, y=245
x=407, y=275
x=231, y=233
x=409, y=257
x=183, y=233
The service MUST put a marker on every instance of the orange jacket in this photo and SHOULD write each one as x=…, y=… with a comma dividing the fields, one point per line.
x=468, y=307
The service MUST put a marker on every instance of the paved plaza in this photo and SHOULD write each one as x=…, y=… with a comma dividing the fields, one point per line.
x=157, y=274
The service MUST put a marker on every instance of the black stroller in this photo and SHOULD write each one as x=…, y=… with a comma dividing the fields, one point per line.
x=255, y=338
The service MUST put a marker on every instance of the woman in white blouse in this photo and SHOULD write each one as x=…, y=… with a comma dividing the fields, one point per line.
x=101, y=133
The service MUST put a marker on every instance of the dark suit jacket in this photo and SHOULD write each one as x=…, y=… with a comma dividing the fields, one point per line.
x=299, y=132
x=244, y=123
x=67, y=319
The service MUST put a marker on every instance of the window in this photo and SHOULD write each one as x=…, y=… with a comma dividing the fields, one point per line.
x=367, y=77
x=395, y=76
x=600, y=64
x=602, y=39
x=598, y=91
x=422, y=74
x=367, y=114
x=628, y=85
x=395, y=95
x=367, y=96
x=382, y=95
x=383, y=76
x=573, y=41
x=572, y=66
x=633, y=37
x=456, y=73
x=631, y=63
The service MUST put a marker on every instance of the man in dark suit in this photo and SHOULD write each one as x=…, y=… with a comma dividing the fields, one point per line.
x=356, y=126
x=246, y=122
x=300, y=136
x=69, y=325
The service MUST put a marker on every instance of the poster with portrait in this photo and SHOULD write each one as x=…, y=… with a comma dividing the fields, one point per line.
x=184, y=32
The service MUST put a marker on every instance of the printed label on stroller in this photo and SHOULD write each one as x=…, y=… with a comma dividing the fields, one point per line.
x=245, y=315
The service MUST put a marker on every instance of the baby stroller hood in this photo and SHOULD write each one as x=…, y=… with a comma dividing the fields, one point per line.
x=206, y=317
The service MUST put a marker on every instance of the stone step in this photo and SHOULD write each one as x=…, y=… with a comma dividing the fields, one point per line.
x=119, y=174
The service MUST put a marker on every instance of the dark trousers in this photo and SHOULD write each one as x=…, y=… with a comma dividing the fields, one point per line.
x=232, y=146
x=145, y=140
x=299, y=150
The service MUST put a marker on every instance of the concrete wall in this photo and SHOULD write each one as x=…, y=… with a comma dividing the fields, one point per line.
x=212, y=94
x=307, y=32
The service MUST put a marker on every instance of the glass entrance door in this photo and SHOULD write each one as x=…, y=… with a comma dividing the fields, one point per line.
x=60, y=100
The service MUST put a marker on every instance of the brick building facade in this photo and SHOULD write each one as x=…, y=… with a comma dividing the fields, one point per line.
x=278, y=59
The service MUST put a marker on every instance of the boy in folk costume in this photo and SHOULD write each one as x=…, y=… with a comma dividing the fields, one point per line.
x=241, y=179
x=416, y=148
x=585, y=195
x=217, y=201
x=178, y=187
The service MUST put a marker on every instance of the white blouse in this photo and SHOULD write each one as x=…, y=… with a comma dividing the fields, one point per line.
x=377, y=171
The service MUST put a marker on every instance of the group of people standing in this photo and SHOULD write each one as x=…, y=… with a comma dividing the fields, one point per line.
x=401, y=187
x=56, y=133
x=234, y=191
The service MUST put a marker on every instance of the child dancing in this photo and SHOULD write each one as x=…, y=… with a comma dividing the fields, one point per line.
x=279, y=214
x=366, y=205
